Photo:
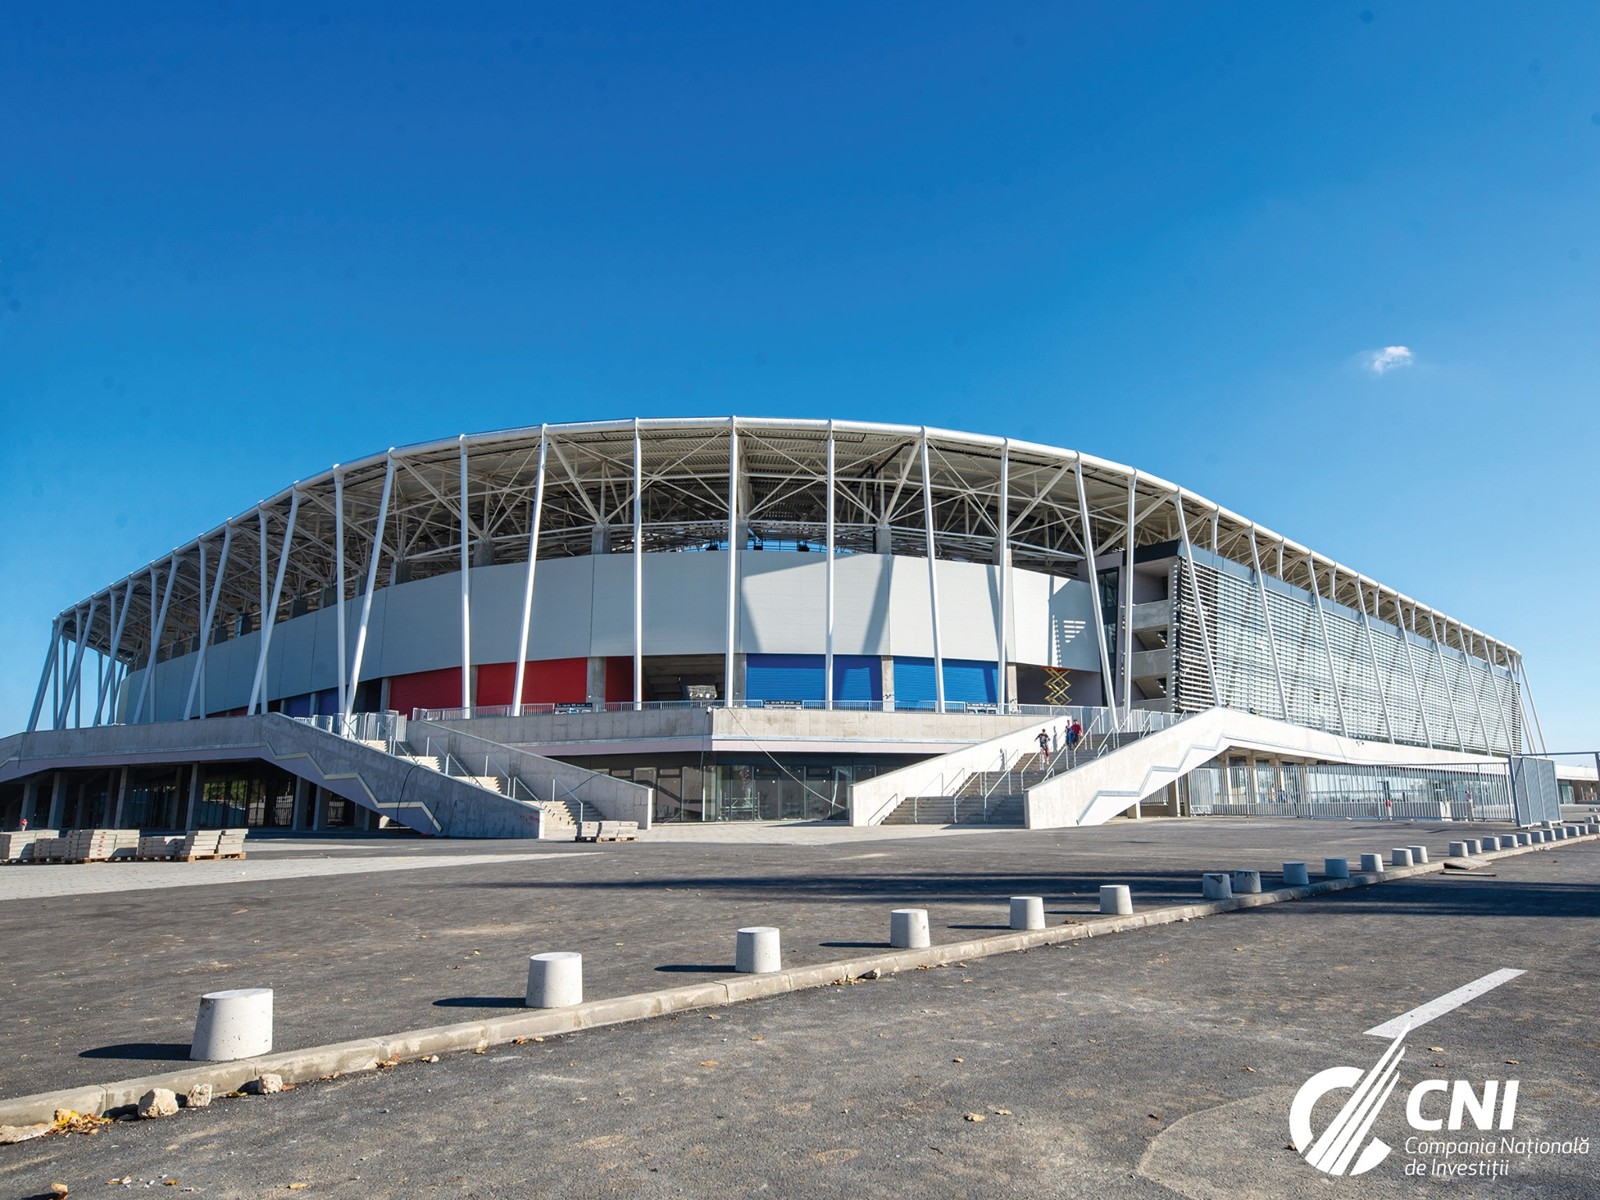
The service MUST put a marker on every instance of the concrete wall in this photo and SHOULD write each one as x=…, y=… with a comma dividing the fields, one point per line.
x=583, y=607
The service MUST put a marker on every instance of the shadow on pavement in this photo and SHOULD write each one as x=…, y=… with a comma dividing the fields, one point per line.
x=140, y=1050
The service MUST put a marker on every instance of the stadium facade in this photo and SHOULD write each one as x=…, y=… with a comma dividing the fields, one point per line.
x=540, y=581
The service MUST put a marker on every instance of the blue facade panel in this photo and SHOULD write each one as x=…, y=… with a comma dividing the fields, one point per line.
x=857, y=677
x=793, y=677
x=965, y=682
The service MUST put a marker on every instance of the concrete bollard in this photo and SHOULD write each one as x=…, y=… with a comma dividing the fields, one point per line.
x=1559, y=833
x=908, y=929
x=1116, y=899
x=555, y=980
x=1458, y=849
x=1372, y=864
x=1027, y=912
x=1419, y=854
x=1474, y=846
x=1216, y=885
x=1524, y=839
x=756, y=951
x=1336, y=868
x=1400, y=856
x=1489, y=844
x=233, y=1024
x=1245, y=882
x=1295, y=874
x=1537, y=835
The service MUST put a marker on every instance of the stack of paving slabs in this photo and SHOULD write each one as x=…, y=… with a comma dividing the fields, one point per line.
x=212, y=843
x=98, y=845
x=18, y=847
x=158, y=846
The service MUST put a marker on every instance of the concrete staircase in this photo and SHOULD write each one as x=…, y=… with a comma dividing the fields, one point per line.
x=958, y=810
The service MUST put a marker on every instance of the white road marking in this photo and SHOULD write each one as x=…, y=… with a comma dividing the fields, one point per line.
x=1424, y=1013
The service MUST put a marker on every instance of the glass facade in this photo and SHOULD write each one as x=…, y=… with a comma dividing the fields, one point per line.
x=749, y=787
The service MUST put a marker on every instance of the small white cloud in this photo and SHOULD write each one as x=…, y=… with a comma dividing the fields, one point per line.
x=1390, y=358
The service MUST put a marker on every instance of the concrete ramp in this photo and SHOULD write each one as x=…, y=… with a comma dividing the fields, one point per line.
x=1108, y=786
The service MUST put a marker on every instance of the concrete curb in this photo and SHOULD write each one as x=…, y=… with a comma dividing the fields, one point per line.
x=369, y=1054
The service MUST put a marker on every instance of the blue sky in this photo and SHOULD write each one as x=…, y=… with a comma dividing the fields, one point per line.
x=239, y=243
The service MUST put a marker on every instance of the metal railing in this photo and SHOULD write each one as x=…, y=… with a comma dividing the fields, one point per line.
x=386, y=727
x=1134, y=719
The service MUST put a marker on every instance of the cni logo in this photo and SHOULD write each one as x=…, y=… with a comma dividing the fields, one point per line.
x=1343, y=1148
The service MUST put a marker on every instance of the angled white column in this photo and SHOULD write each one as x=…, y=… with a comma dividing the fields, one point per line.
x=827, y=606
x=372, y=584
x=1416, y=683
x=120, y=621
x=1266, y=613
x=1471, y=671
x=1002, y=633
x=1327, y=642
x=533, y=562
x=933, y=577
x=1444, y=678
x=269, y=615
x=1194, y=594
x=73, y=699
x=730, y=620
x=339, y=583
x=158, y=627
x=197, y=679
x=638, y=569
x=1372, y=651
x=1094, y=594
x=1527, y=691
x=50, y=656
x=466, y=588
x=1125, y=596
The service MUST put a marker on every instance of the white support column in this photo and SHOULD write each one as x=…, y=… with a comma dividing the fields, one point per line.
x=1472, y=682
x=1502, y=708
x=158, y=626
x=1194, y=593
x=261, y=533
x=74, y=696
x=269, y=615
x=50, y=656
x=120, y=622
x=638, y=569
x=1527, y=692
x=201, y=614
x=1002, y=637
x=372, y=584
x=197, y=680
x=730, y=623
x=339, y=583
x=1444, y=677
x=1094, y=594
x=827, y=607
x=1372, y=651
x=1125, y=595
x=1327, y=642
x=1416, y=683
x=533, y=562
x=1266, y=613
x=466, y=588
x=933, y=577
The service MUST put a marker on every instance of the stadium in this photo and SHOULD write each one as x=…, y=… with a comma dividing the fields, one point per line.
x=727, y=618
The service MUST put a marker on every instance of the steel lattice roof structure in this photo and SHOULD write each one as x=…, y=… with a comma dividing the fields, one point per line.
x=470, y=500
